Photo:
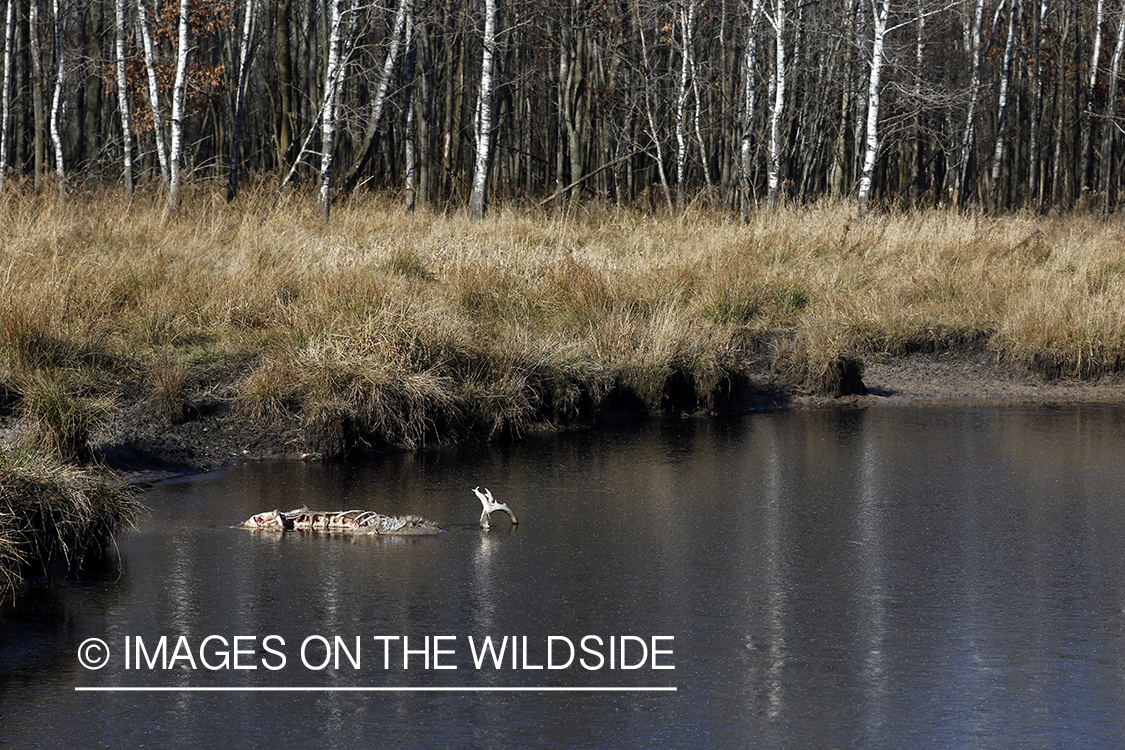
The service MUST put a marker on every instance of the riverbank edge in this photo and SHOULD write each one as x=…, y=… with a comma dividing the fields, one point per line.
x=137, y=446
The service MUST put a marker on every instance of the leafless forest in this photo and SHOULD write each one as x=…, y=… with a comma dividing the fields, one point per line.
x=998, y=104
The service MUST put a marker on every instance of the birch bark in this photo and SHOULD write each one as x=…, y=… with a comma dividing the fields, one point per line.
x=375, y=111
x=328, y=110
x=123, y=95
x=965, y=164
x=484, y=113
x=1088, y=105
x=1002, y=106
x=5, y=94
x=777, y=107
x=872, y=141
x=687, y=22
x=153, y=94
x=410, y=116
x=748, y=104
x=179, y=89
x=56, y=101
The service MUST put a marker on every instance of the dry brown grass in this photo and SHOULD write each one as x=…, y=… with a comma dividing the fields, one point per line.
x=50, y=511
x=396, y=328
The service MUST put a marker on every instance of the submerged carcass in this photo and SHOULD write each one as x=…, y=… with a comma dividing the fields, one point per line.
x=354, y=521
x=367, y=521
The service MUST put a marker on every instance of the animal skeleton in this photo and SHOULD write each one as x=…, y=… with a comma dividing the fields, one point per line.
x=366, y=521
x=358, y=521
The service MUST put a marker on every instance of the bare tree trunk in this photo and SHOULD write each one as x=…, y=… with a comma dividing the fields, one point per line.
x=687, y=32
x=1060, y=112
x=778, y=106
x=56, y=101
x=654, y=133
x=747, y=153
x=1088, y=105
x=179, y=89
x=918, y=153
x=123, y=95
x=872, y=150
x=240, y=98
x=1002, y=107
x=563, y=107
x=282, y=44
x=375, y=111
x=5, y=92
x=328, y=111
x=575, y=128
x=840, y=171
x=965, y=167
x=1034, y=182
x=484, y=113
x=410, y=116
x=38, y=113
x=1110, y=124
x=154, y=95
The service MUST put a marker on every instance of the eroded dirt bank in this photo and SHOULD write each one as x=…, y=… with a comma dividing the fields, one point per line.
x=142, y=447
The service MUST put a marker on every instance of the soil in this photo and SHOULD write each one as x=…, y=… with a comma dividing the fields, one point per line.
x=143, y=446
x=978, y=377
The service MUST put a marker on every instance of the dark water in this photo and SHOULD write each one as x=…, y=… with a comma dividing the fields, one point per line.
x=904, y=577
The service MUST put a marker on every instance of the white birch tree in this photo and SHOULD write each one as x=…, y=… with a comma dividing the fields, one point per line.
x=484, y=113
x=964, y=173
x=409, y=137
x=328, y=110
x=179, y=89
x=56, y=100
x=1088, y=105
x=746, y=152
x=378, y=101
x=5, y=94
x=1002, y=106
x=153, y=94
x=777, y=107
x=687, y=26
x=123, y=94
x=871, y=150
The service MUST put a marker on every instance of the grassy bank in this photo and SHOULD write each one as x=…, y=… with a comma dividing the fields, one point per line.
x=397, y=329
x=51, y=512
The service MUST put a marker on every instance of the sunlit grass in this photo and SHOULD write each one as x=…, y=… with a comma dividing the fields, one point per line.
x=398, y=328
x=51, y=511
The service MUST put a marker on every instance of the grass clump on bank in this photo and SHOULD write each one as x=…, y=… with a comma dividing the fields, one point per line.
x=50, y=511
x=396, y=329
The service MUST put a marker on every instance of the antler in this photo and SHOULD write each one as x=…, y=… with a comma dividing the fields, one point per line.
x=488, y=506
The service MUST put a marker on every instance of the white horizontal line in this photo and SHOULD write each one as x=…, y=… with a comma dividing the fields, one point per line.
x=191, y=689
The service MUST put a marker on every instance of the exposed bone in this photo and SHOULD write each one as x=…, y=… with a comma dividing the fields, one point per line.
x=490, y=506
x=355, y=521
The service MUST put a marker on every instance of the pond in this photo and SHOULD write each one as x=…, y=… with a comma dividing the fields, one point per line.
x=895, y=576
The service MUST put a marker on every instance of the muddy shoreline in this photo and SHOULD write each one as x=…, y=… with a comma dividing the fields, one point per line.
x=141, y=447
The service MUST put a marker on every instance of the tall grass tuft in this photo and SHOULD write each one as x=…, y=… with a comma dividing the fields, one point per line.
x=59, y=421
x=51, y=511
